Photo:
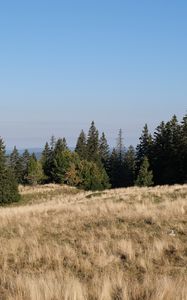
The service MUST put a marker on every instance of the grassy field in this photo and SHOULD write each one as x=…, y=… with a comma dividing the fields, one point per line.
x=60, y=243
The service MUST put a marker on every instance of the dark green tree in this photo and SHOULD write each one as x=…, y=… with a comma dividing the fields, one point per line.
x=120, y=148
x=130, y=166
x=52, y=142
x=93, y=144
x=166, y=157
x=81, y=148
x=60, y=145
x=15, y=162
x=60, y=165
x=8, y=183
x=117, y=163
x=144, y=147
x=113, y=168
x=24, y=162
x=104, y=152
x=45, y=159
x=2, y=153
x=183, y=151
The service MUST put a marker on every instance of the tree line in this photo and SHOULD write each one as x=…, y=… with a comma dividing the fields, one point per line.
x=159, y=158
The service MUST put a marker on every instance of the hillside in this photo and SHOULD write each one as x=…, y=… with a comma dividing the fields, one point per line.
x=61, y=243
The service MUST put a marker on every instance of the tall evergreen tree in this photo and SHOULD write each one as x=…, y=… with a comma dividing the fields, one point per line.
x=113, y=168
x=52, y=142
x=166, y=158
x=2, y=153
x=16, y=164
x=8, y=183
x=120, y=147
x=120, y=150
x=46, y=160
x=104, y=152
x=93, y=144
x=25, y=161
x=144, y=147
x=60, y=145
x=81, y=146
x=183, y=150
x=130, y=166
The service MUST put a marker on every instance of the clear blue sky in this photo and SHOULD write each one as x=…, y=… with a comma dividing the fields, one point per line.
x=66, y=63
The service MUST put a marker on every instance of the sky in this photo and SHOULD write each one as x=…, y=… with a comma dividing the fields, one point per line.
x=121, y=63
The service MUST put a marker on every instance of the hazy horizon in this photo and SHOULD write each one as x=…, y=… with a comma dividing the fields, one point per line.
x=64, y=64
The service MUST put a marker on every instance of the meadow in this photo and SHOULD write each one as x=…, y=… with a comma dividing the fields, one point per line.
x=60, y=243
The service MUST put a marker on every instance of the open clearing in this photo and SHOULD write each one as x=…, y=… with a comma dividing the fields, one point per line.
x=60, y=243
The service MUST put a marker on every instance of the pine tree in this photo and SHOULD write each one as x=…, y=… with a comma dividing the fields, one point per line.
x=120, y=150
x=25, y=161
x=8, y=184
x=61, y=163
x=144, y=147
x=183, y=150
x=130, y=166
x=81, y=146
x=60, y=146
x=16, y=164
x=166, y=157
x=52, y=142
x=145, y=176
x=2, y=154
x=64, y=142
x=104, y=152
x=113, y=168
x=46, y=159
x=120, y=147
x=93, y=144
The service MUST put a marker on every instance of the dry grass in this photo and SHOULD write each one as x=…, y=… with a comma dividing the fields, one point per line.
x=128, y=244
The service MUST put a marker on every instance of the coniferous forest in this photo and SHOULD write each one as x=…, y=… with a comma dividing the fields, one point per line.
x=159, y=158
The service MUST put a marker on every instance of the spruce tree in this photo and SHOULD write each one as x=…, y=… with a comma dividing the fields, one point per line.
x=46, y=159
x=15, y=162
x=120, y=147
x=120, y=150
x=45, y=154
x=104, y=152
x=60, y=165
x=145, y=176
x=183, y=150
x=166, y=157
x=52, y=142
x=81, y=146
x=130, y=166
x=113, y=169
x=60, y=145
x=144, y=147
x=25, y=161
x=2, y=153
x=93, y=144
x=8, y=183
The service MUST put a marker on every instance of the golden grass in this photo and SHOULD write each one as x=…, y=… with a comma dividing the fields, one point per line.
x=60, y=243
